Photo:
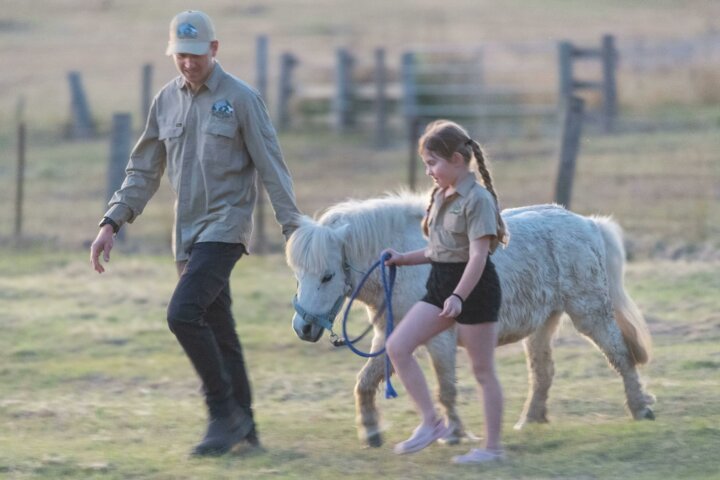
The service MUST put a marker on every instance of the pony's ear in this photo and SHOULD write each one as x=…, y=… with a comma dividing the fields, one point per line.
x=341, y=231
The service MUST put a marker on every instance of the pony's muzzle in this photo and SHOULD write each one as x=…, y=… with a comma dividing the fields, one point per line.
x=307, y=331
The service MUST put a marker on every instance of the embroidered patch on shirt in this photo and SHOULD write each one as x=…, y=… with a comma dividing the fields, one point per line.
x=186, y=30
x=222, y=109
x=456, y=210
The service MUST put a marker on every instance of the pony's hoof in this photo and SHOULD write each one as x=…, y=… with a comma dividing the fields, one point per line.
x=644, y=414
x=374, y=440
x=522, y=423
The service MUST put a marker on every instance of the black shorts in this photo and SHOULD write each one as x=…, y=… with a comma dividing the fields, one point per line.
x=483, y=303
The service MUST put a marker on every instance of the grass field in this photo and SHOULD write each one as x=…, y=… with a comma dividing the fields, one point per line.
x=92, y=383
x=109, y=40
x=94, y=386
x=661, y=186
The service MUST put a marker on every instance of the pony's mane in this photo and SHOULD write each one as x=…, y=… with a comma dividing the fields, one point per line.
x=371, y=225
x=310, y=246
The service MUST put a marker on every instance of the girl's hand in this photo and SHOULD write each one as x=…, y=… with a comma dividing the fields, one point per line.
x=452, y=307
x=394, y=258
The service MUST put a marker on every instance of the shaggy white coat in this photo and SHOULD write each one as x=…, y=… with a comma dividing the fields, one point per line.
x=556, y=262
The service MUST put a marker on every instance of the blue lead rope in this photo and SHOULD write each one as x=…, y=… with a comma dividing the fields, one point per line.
x=388, y=281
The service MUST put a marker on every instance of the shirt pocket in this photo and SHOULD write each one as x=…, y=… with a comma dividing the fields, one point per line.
x=455, y=223
x=170, y=135
x=221, y=128
x=218, y=141
x=169, y=132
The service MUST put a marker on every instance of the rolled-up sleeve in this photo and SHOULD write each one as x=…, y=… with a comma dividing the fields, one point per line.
x=262, y=144
x=144, y=172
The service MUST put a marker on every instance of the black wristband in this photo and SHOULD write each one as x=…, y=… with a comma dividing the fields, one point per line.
x=111, y=222
x=462, y=300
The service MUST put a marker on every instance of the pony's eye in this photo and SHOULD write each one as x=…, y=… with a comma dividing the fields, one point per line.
x=327, y=277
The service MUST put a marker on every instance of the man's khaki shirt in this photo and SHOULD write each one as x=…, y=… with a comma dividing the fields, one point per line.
x=468, y=214
x=212, y=143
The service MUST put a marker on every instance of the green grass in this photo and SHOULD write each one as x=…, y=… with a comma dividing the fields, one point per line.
x=95, y=386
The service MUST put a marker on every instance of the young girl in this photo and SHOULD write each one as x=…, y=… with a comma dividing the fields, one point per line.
x=464, y=227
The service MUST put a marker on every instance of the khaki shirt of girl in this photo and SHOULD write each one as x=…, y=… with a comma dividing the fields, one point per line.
x=469, y=213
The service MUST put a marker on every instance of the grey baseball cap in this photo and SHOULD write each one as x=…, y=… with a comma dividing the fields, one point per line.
x=190, y=32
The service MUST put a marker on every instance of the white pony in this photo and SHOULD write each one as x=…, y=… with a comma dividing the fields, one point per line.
x=557, y=262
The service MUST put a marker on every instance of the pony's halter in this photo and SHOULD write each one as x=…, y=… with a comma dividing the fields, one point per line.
x=324, y=320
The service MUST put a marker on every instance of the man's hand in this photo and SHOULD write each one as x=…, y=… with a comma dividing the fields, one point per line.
x=103, y=244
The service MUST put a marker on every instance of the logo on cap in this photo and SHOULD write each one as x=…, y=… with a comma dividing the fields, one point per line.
x=186, y=30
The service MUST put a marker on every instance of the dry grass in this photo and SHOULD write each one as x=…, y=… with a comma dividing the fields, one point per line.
x=109, y=40
x=660, y=186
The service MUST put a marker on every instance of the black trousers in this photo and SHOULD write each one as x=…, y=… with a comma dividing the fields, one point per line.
x=200, y=316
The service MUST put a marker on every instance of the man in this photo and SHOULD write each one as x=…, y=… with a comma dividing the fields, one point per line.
x=212, y=133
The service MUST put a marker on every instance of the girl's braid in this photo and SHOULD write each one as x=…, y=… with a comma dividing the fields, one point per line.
x=487, y=180
x=425, y=228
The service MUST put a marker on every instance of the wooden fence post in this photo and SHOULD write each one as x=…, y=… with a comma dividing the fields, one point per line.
x=343, y=108
x=261, y=65
x=81, y=124
x=607, y=85
x=287, y=63
x=381, y=107
x=569, y=148
x=565, y=72
x=609, y=61
x=410, y=111
x=479, y=59
x=119, y=155
x=20, y=179
x=259, y=240
x=413, y=137
x=145, y=93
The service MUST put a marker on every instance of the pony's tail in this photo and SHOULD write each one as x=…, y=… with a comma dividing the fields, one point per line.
x=627, y=314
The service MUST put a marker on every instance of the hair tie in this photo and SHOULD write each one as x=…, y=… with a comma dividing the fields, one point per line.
x=470, y=142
